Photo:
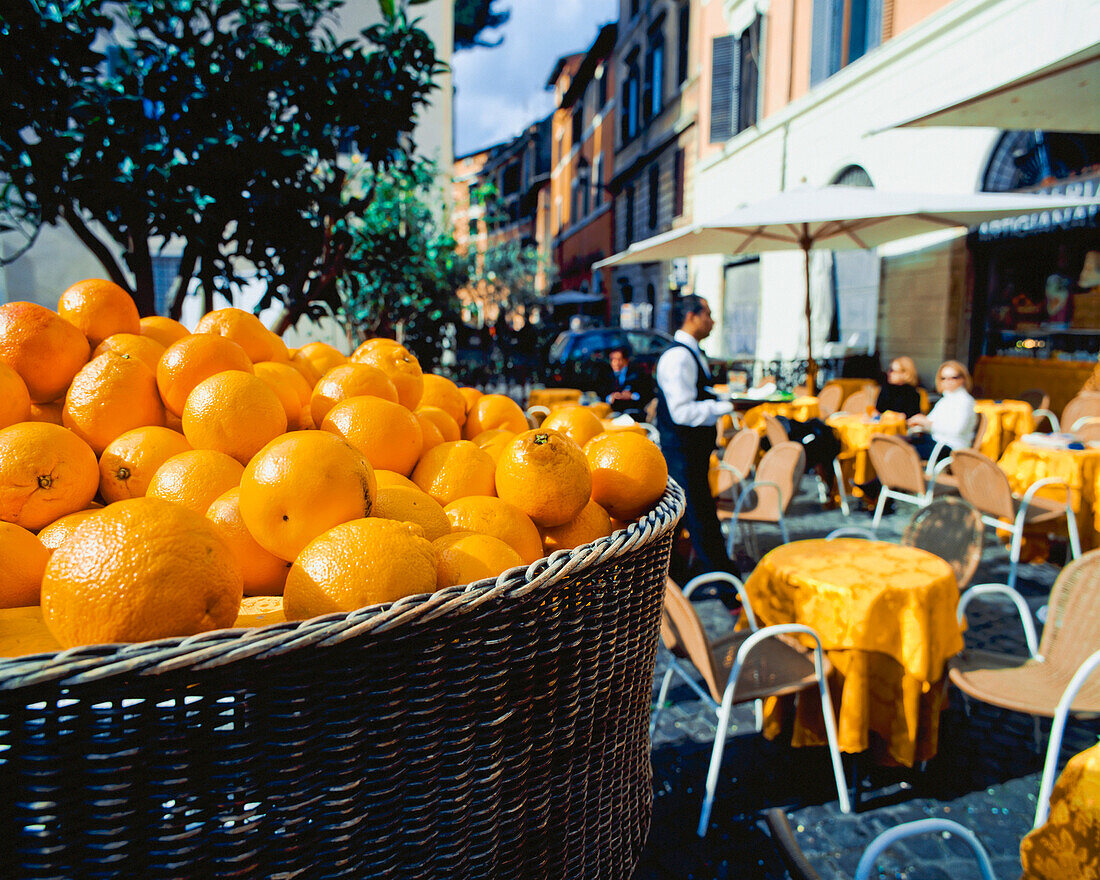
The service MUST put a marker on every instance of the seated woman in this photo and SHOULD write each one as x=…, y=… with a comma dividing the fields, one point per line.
x=952, y=420
x=899, y=394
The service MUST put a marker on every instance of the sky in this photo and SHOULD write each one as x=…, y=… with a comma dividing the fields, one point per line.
x=500, y=91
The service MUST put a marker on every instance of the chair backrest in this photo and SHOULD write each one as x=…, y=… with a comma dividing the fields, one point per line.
x=829, y=400
x=774, y=430
x=857, y=403
x=651, y=411
x=952, y=529
x=1036, y=397
x=1084, y=405
x=740, y=453
x=1089, y=430
x=896, y=463
x=1071, y=633
x=982, y=483
x=783, y=465
x=683, y=634
x=979, y=431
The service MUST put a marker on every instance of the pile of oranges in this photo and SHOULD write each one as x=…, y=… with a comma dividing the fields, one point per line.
x=150, y=478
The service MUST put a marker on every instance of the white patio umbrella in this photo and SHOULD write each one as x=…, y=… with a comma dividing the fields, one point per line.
x=837, y=218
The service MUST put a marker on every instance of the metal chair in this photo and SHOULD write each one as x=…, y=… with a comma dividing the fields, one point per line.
x=1085, y=405
x=985, y=486
x=939, y=465
x=856, y=404
x=829, y=399
x=741, y=667
x=736, y=466
x=767, y=497
x=1039, y=401
x=1087, y=429
x=776, y=434
x=898, y=467
x=536, y=415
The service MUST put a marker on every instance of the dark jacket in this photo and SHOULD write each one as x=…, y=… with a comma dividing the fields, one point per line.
x=636, y=381
x=904, y=399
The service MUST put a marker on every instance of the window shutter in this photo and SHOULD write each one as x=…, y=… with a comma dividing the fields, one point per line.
x=723, y=67
x=819, y=42
x=875, y=17
x=887, y=19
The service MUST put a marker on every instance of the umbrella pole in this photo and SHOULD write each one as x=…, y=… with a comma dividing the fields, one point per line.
x=811, y=365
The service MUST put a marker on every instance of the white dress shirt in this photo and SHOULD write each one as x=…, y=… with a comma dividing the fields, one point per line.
x=678, y=376
x=953, y=419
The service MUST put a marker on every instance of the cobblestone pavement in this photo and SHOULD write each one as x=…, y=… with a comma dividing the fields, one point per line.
x=986, y=774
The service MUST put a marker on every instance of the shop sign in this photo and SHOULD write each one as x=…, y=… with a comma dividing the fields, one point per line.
x=1047, y=221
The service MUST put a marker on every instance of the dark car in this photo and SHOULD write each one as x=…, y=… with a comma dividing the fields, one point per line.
x=574, y=355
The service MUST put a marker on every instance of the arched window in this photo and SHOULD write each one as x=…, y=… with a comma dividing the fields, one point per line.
x=853, y=281
x=853, y=175
x=1024, y=159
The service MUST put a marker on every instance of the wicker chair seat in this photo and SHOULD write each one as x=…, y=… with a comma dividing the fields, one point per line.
x=1031, y=687
x=780, y=666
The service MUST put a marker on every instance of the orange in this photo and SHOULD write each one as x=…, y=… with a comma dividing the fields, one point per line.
x=359, y=563
x=194, y=358
x=545, y=475
x=577, y=423
x=399, y=364
x=47, y=412
x=321, y=356
x=99, y=308
x=302, y=484
x=443, y=421
x=292, y=390
x=348, y=380
x=465, y=557
x=111, y=395
x=492, y=516
x=629, y=473
x=163, y=330
x=15, y=400
x=46, y=471
x=140, y=569
x=432, y=436
x=128, y=463
x=591, y=524
x=243, y=328
x=470, y=396
x=195, y=478
x=233, y=412
x=455, y=470
x=306, y=369
x=375, y=344
x=493, y=441
x=442, y=392
x=60, y=530
x=42, y=347
x=280, y=354
x=264, y=573
x=409, y=504
x=392, y=478
x=22, y=560
x=385, y=432
x=143, y=348
x=494, y=411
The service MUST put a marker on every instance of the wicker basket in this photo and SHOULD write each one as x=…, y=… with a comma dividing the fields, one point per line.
x=495, y=730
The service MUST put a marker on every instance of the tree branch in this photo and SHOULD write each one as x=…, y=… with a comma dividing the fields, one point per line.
x=99, y=250
x=183, y=280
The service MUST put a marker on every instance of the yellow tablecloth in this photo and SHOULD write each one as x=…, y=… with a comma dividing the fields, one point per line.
x=1006, y=422
x=855, y=433
x=1024, y=464
x=886, y=617
x=549, y=396
x=1068, y=843
x=800, y=410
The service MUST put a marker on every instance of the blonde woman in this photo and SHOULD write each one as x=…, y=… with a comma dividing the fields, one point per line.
x=900, y=394
x=952, y=420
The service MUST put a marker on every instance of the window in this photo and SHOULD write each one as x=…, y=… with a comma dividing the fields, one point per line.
x=654, y=193
x=734, y=82
x=628, y=226
x=597, y=181
x=683, y=35
x=557, y=220
x=601, y=88
x=578, y=122
x=628, y=112
x=473, y=228
x=652, y=100
x=510, y=179
x=678, y=185
x=843, y=30
x=165, y=270
x=585, y=190
x=633, y=8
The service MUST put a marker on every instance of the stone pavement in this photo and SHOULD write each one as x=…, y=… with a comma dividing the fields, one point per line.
x=985, y=776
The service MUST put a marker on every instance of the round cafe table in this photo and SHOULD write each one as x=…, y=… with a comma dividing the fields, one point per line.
x=1006, y=422
x=855, y=432
x=886, y=617
x=800, y=409
x=1068, y=843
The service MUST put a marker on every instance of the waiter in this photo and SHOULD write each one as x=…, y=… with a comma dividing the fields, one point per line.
x=687, y=411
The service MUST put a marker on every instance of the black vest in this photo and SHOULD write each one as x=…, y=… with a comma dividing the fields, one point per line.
x=674, y=437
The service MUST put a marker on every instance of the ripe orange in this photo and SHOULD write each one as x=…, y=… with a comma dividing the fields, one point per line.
x=429, y=430
x=494, y=411
x=111, y=395
x=194, y=358
x=376, y=343
x=15, y=400
x=409, y=504
x=140, y=569
x=306, y=369
x=442, y=392
x=47, y=412
x=392, y=478
x=243, y=328
x=455, y=470
x=470, y=396
x=292, y=390
x=42, y=347
x=493, y=516
x=494, y=441
x=545, y=475
x=163, y=330
x=578, y=423
x=99, y=308
x=143, y=348
x=280, y=354
x=128, y=463
x=400, y=365
x=444, y=422
x=302, y=484
x=385, y=432
x=629, y=473
x=46, y=471
x=59, y=531
x=321, y=356
x=195, y=478
x=264, y=573
x=22, y=560
x=359, y=563
x=465, y=557
x=591, y=524
x=348, y=380
x=233, y=412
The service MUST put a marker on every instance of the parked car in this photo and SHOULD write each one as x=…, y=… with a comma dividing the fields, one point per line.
x=573, y=355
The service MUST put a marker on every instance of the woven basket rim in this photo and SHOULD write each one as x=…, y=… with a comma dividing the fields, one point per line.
x=216, y=648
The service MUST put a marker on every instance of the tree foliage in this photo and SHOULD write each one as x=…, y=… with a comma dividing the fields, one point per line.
x=218, y=124
x=472, y=17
